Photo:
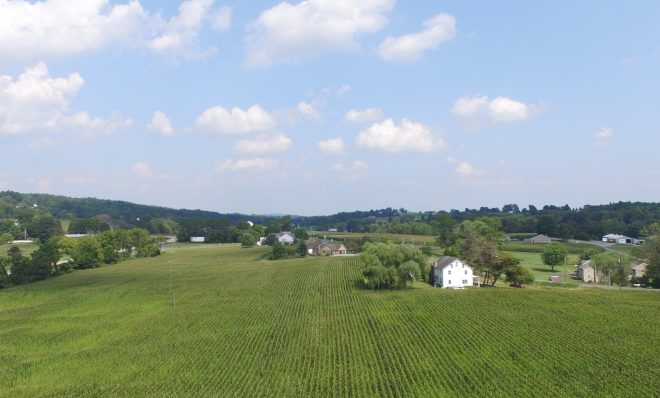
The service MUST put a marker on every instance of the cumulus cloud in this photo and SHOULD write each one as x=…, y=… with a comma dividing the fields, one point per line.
x=160, y=124
x=293, y=32
x=409, y=136
x=333, y=146
x=37, y=101
x=264, y=144
x=602, y=137
x=251, y=164
x=142, y=170
x=235, y=121
x=221, y=19
x=365, y=115
x=478, y=109
x=53, y=28
x=438, y=30
x=465, y=169
x=307, y=110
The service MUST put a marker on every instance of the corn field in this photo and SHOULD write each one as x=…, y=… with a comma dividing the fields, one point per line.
x=223, y=321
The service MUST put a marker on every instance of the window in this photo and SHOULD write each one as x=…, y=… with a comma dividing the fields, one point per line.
x=449, y=272
x=465, y=281
x=465, y=272
x=449, y=282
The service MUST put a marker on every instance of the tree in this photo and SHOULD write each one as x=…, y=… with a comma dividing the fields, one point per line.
x=546, y=225
x=248, y=239
x=87, y=253
x=19, y=265
x=6, y=238
x=518, y=276
x=650, y=251
x=4, y=278
x=43, y=227
x=409, y=272
x=278, y=252
x=605, y=264
x=554, y=254
x=621, y=271
x=301, y=234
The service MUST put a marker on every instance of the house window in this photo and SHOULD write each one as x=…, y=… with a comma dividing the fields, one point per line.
x=449, y=282
x=465, y=272
x=449, y=272
x=465, y=281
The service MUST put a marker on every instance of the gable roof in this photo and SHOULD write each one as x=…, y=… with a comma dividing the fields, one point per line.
x=444, y=261
x=586, y=265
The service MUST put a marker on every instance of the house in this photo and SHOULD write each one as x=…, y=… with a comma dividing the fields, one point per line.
x=197, y=239
x=587, y=273
x=540, y=239
x=262, y=241
x=75, y=236
x=286, y=238
x=324, y=247
x=451, y=272
x=638, y=270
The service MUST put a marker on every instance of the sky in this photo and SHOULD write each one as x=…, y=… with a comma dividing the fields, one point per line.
x=318, y=106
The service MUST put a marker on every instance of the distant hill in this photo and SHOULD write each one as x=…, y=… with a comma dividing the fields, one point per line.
x=64, y=207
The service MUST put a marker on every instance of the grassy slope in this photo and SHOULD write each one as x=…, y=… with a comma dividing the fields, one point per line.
x=244, y=326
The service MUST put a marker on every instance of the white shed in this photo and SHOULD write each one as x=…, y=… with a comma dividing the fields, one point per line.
x=286, y=238
x=451, y=272
x=197, y=239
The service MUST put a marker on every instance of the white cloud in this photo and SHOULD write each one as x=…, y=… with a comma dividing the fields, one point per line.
x=465, y=169
x=602, y=137
x=343, y=90
x=235, y=121
x=337, y=167
x=37, y=101
x=365, y=115
x=438, y=30
x=276, y=143
x=307, y=110
x=407, y=137
x=293, y=32
x=360, y=164
x=221, y=19
x=479, y=109
x=180, y=35
x=30, y=31
x=451, y=160
x=160, y=124
x=142, y=170
x=333, y=146
x=252, y=164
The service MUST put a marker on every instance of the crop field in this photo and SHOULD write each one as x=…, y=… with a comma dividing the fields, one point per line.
x=235, y=324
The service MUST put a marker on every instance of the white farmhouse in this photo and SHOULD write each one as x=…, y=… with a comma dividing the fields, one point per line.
x=450, y=272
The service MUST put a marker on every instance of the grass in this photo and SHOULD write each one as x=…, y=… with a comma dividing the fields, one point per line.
x=542, y=272
x=243, y=326
x=26, y=248
x=572, y=248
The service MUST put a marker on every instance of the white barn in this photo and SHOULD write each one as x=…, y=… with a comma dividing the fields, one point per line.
x=450, y=272
x=286, y=238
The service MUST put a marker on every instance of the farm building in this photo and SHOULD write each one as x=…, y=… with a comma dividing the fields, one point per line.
x=286, y=238
x=621, y=239
x=587, y=273
x=450, y=272
x=540, y=239
x=323, y=247
x=197, y=239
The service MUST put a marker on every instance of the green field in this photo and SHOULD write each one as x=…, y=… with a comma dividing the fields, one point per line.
x=26, y=248
x=396, y=238
x=542, y=272
x=248, y=327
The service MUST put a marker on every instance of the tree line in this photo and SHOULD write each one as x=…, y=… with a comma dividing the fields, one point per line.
x=60, y=255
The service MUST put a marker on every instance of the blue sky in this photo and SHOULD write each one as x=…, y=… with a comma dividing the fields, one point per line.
x=321, y=106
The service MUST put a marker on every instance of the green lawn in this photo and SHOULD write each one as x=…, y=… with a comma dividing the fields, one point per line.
x=248, y=327
x=396, y=238
x=542, y=272
x=26, y=248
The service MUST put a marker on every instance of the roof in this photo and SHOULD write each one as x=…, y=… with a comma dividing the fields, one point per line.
x=540, y=236
x=316, y=243
x=586, y=264
x=444, y=261
x=615, y=236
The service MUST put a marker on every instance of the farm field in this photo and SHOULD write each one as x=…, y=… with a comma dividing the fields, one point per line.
x=244, y=326
x=26, y=248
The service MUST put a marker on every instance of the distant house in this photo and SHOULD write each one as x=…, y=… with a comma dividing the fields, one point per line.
x=324, y=247
x=75, y=236
x=540, y=239
x=286, y=238
x=332, y=229
x=638, y=270
x=261, y=241
x=197, y=239
x=587, y=273
x=450, y=272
